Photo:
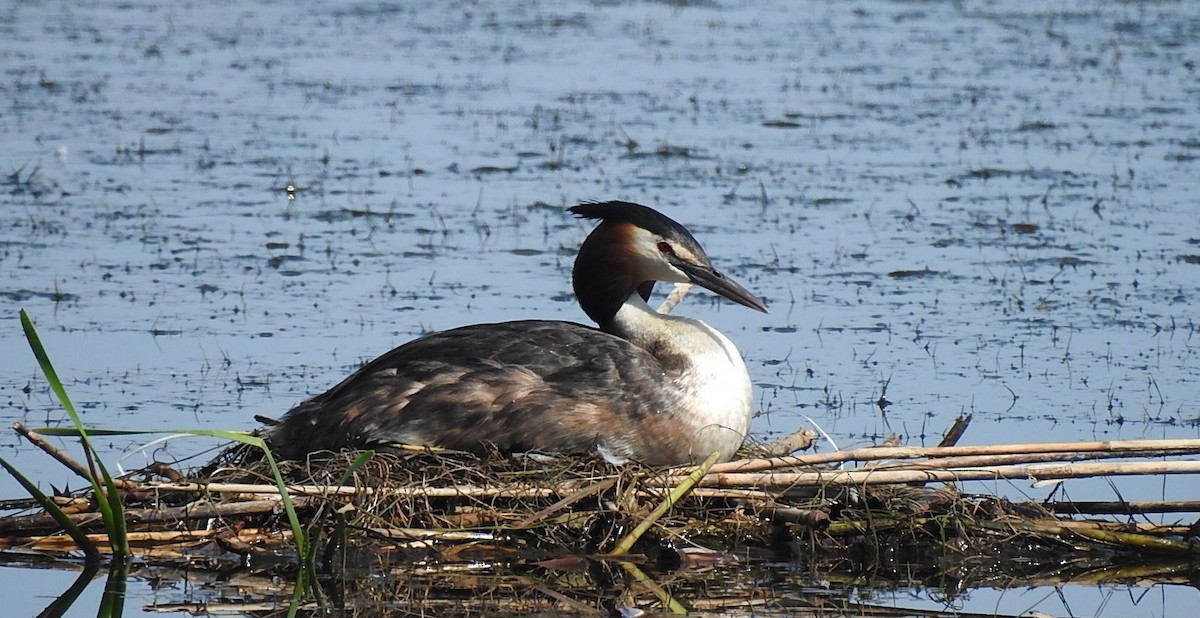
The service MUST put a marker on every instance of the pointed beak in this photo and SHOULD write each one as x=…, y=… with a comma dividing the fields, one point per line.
x=713, y=279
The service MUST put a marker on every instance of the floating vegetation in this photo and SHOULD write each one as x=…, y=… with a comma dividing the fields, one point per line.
x=557, y=533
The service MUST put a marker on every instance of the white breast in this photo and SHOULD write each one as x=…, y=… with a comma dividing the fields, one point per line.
x=715, y=395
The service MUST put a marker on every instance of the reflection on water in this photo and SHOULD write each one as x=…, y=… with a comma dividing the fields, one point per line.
x=215, y=210
x=579, y=586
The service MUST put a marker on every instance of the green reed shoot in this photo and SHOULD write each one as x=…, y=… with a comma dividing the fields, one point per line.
x=110, y=504
x=108, y=499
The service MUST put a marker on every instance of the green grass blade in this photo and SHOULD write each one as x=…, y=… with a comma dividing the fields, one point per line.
x=359, y=461
x=236, y=436
x=68, y=526
x=304, y=550
x=39, y=352
x=118, y=535
x=298, y=533
x=301, y=538
x=302, y=581
x=109, y=502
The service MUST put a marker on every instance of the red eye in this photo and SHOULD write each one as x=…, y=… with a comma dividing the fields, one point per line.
x=665, y=249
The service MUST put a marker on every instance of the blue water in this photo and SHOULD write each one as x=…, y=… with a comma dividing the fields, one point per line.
x=213, y=210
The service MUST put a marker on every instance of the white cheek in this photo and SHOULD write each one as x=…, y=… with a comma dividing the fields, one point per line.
x=662, y=271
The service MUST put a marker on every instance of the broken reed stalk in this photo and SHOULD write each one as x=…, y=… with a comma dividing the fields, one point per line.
x=147, y=516
x=78, y=468
x=157, y=542
x=1124, y=508
x=451, y=491
x=973, y=461
x=956, y=431
x=597, y=488
x=1131, y=447
x=674, y=298
x=1039, y=472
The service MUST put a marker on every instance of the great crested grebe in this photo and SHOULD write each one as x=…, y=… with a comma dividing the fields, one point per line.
x=653, y=388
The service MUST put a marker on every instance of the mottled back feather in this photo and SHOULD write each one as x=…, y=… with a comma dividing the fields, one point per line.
x=515, y=386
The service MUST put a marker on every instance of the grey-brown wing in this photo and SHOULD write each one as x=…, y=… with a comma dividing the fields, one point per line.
x=515, y=386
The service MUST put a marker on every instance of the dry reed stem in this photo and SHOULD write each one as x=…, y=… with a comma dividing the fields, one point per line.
x=74, y=466
x=143, y=542
x=1124, y=508
x=63, y=542
x=597, y=488
x=1125, y=527
x=1176, y=447
x=146, y=516
x=452, y=491
x=734, y=493
x=674, y=298
x=1036, y=472
x=974, y=461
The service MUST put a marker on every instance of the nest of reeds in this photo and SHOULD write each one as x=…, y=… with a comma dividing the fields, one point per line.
x=892, y=512
x=530, y=506
x=536, y=508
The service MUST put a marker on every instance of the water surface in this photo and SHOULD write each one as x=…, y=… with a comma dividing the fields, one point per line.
x=215, y=210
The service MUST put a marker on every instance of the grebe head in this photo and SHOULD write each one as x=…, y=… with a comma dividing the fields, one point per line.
x=635, y=246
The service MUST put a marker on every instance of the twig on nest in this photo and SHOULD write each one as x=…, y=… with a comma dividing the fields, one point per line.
x=74, y=466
